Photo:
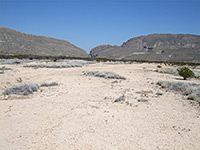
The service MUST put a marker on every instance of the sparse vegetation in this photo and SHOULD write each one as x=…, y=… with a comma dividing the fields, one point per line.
x=185, y=72
x=95, y=59
x=192, y=90
x=104, y=74
x=167, y=70
x=5, y=68
x=22, y=89
x=63, y=64
x=175, y=71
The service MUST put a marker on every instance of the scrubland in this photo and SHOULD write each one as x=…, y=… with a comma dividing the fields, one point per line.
x=77, y=104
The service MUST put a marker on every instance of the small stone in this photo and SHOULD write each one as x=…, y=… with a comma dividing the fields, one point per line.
x=122, y=98
x=192, y=97
x=115, y=81
x=143, y=100
x=159, y=93
x=164, y=85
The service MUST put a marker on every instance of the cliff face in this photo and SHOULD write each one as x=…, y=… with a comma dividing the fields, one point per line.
x=154, y=47
x=18, y=43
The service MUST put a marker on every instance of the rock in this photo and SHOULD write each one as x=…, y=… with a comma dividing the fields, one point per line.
x=49, y=84
x=115, y=81
x=159, y=93
x=143, y=100
x=26, y=44
x=121, y=98
x=164, y=85
x=127, y=102
x=154, y=47
x=192, y=97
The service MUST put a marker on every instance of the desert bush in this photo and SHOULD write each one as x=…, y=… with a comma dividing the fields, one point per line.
x=190, y=89
x=197, y=67
x=62, y=64
x=49, y=84
x=23, y=89
x=196, y=74
x=185, y=72
x=5, y=68
x=175, y=71
x=2, y=69
x=35, y=66
x=53, y=66
x=168, y=71
x=14, y=61
x=104, y=74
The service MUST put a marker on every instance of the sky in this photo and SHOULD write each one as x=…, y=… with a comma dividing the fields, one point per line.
x=89, y=23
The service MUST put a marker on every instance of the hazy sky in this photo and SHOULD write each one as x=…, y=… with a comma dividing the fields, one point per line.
x=89, y=23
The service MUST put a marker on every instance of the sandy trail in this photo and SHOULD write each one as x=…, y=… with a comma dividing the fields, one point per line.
x=80, y=112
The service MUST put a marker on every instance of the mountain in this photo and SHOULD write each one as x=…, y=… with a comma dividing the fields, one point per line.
x=17, y=43
x=154, y=47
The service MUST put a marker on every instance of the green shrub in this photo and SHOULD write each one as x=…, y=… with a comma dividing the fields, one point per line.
x=185, y=72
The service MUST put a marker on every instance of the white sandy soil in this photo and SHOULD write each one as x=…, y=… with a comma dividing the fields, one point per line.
x=81, y=114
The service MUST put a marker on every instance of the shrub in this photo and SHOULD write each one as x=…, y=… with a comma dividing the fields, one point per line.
x=62, y=64
x=5, y=68
x=185, y=72
x=23, y=89
x=192, y=90
x=167, y=70
x=104, y=74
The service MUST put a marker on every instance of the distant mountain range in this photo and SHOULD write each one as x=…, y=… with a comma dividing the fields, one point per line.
x=17, y=43
x=154, y=47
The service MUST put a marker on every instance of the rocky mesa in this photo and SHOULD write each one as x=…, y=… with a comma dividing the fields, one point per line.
x=13, y=42
x=154, y=47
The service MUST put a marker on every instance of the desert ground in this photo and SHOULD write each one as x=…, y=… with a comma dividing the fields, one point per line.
x=81, y=112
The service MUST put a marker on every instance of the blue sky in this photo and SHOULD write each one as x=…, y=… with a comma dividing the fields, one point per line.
x=89, y=23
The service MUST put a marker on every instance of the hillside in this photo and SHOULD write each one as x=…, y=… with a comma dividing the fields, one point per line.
x=17, y=43
x=154, y=47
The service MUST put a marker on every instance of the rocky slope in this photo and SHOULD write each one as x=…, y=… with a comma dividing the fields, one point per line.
x=18, y=43
x=154, y=47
